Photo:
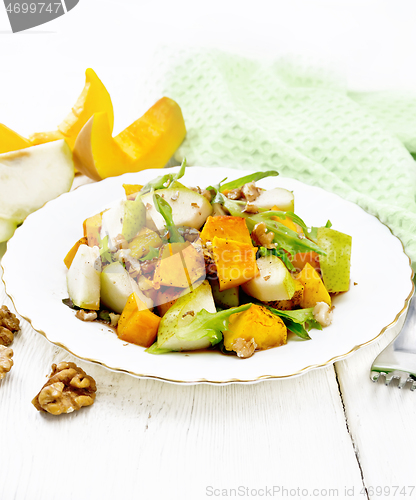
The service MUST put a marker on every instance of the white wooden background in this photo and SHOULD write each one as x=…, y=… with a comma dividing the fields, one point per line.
x=329, y=429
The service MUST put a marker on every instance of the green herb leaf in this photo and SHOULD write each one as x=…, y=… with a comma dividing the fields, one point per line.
x=151, y=254
x=105, y=254
x=104, y=315
x=154, y=349
x=204, y=325
x=278, y=252
x=237, y=183
x=165, y=210
x=299, y=321
x=163, y=181
x=284, y=237
x=68, y=302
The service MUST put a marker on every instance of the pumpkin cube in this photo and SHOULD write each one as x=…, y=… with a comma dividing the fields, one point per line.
x=235, y=262
x=227, y=227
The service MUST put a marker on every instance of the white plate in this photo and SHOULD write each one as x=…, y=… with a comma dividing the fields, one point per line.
x=34, y=274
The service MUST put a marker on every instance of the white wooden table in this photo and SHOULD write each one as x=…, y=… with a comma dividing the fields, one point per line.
x=329, y=433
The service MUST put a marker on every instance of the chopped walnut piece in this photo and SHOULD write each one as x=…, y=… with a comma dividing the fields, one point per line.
x=114, y=319
x=322, y=313
x=244, y=348
x=261, y=237
x=9, y=325
x=68, y=389
x=86, y=315
x=250, y=191
x=121, y=242
x=218, y=210
x=235, y=194
x=175, y=196
x=250, y=208
x=207, y=194
x=6, y=361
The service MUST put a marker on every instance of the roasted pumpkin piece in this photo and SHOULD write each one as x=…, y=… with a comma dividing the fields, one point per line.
x=92, y=228
x=166, y=297
x=228, y=227
x=288, y=222
x=149, y=142
x=71, y=254
x=132, y=190
x=140, y=245
x=300, y=259
x=258, y=323
x=137, y=324
x=293, y=303
x=235, y=262
x=179, y=265
x=314, y=289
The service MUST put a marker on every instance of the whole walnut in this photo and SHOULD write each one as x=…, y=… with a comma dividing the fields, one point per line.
x=68, y=389
x=9, y=325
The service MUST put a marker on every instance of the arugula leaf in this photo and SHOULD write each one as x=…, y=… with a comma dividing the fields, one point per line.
x=284, y=237
x=312, y=233
x=163, y=181
x=68, y=302
x=154, y=349
x=105, y=253
x=278, y=252
x=165, y=210
x=237, y=183
x=104, y=315
x=151, y=254
x=204, y=325
x=299, y=321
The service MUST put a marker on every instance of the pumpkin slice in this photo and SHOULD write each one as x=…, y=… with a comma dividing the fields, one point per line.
x=93, y=99
x=149, y=142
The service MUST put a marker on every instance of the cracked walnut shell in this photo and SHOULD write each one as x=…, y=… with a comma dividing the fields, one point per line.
x=9, y=325
x=68, y=389
x=6, y=361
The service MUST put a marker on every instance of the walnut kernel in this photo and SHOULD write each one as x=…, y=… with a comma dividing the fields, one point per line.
x=9, y=325
x=68, y=389
x=244, y=348
x=6, y=361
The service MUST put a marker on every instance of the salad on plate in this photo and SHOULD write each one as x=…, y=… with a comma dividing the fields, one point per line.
x=228, y=266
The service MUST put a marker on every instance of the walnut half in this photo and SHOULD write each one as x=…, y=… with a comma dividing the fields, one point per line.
x=68, y=389
x=9, y=325
x=6, y=361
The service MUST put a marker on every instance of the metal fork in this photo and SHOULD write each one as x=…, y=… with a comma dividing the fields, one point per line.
x=398, y=360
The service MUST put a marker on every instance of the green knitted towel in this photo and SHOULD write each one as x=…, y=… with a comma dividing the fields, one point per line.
x=296, y=119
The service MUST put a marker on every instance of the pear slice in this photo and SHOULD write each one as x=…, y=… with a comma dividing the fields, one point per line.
x=127, y=217
x=117, y=286
x=83, y=278
x=335, y=265
x=188, y=207
x=181, y=314
x=32, y=176
x=7, y=228
x=274, y=282
x=276, y=197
